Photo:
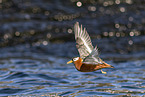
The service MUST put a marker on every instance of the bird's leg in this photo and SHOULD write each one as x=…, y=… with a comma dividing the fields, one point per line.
x=103, y=71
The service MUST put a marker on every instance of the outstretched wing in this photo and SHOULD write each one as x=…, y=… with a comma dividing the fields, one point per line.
x=93, y=58
x=83, y=41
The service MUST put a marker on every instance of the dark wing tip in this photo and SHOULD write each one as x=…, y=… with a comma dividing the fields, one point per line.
x=77, y=23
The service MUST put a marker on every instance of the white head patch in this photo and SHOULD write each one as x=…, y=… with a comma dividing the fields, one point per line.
x=75, y=59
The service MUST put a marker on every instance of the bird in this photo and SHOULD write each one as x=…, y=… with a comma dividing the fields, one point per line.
x=89, y=59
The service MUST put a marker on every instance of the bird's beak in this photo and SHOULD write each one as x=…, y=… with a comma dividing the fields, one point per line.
x=69, y=62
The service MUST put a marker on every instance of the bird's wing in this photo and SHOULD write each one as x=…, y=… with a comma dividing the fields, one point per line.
x=93, y=58
x=83, y=41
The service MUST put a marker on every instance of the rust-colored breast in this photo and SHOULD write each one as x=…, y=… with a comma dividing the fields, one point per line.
x=78, y=64
x=85, y=67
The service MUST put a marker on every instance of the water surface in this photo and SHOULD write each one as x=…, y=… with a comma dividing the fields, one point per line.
x=41, y=74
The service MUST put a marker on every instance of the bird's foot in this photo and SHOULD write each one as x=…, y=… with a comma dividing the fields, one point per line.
x=103, y=71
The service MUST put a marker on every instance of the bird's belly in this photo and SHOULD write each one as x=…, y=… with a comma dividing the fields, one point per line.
x=88, y=68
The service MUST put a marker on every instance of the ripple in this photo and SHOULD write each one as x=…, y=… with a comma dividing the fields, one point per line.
x=8, y=91
x=17, y=75
x=45, y=76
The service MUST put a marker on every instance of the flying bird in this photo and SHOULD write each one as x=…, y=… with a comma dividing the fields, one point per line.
x=89, y=59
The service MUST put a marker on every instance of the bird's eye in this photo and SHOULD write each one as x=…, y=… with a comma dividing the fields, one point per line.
x=75, y=59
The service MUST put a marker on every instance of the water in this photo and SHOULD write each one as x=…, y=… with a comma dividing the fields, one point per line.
x=40, y=74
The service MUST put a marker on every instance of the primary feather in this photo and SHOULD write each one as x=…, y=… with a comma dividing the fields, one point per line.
x=84, y=45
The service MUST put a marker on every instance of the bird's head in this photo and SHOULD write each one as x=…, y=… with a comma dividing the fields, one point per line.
x=75, y=59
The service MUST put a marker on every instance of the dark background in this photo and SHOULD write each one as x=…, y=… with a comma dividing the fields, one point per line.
x=116, y=26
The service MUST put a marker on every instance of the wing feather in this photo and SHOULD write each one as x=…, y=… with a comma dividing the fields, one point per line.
x=93, y=57
x=84, y=44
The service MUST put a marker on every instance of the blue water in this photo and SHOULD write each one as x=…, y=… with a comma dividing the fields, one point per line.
x=39, y=75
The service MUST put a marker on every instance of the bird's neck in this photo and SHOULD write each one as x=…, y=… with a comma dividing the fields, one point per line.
x=78, y=64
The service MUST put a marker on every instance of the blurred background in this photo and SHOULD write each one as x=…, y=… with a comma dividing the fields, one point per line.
x=37, y=39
